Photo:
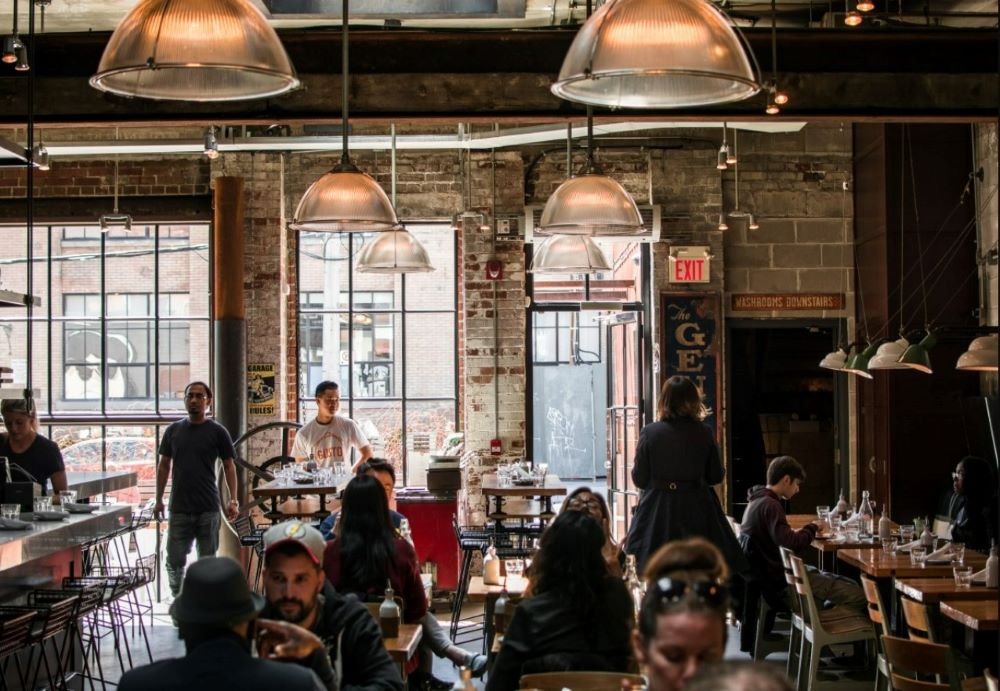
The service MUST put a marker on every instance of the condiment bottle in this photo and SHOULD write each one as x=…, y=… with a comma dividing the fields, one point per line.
x=842, y=507
x=388, y=614
x=633, y=583
x=884, y=526
x=491, y=567
x=866, y=517
x=500, y=611
x=927, y=537
x=992, y=575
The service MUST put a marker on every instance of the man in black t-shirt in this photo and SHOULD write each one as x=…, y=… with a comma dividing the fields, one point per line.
x=192, y=446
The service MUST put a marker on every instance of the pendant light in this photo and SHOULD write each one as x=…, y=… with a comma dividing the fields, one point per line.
x=888, y=354
x=917, y=356
x=344, y=199
x=393, y=251
x=834, y=360
x=657, y=54
x=981, y=355
x=590, y=202
x=569, y=254
x=195, y=50
x=858, y=363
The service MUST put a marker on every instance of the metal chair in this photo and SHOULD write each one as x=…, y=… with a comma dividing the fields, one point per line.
x=15, y=637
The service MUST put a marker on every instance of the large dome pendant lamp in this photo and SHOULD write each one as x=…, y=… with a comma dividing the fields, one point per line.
x=657, y=54
x=590, y=203
x=195, y=50
x=981, y=355
x=344, y=199
x=569, y=254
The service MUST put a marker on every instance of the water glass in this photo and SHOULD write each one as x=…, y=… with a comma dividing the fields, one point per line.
x=543, y=470
x=835, y=521
x=503, y=475
x=851, y=534
x=513, y=567
x=889, y=545
x=906, y=533
x=957, y=553
x=43, y=504
x=918, y=555
x=963, y=576
x=67, y=496
x=340, y=468
x=12, y=511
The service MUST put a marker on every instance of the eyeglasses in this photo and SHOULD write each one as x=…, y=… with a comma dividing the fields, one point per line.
x=666, y=591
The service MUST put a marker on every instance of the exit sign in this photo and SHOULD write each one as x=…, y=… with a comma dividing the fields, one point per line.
x=690, y=264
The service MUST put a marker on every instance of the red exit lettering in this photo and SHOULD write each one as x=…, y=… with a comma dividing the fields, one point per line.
x=690, y=270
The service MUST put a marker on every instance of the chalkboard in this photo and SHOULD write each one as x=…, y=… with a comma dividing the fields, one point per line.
x=690, y=328
x=568, y=423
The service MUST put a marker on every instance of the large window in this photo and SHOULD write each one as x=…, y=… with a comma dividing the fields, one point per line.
x=388, y=340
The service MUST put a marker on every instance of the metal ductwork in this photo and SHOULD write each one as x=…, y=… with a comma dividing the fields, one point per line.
x=392, y=9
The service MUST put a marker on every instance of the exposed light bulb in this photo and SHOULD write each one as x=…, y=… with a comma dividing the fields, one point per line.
x=753, y=225
x=852, y=18
x=722, y=161
x=781, y=98
x=10, y=44
x=772, y=107
x=865, y=5
x=42, y=157
x=211, y=144
x=722, y=222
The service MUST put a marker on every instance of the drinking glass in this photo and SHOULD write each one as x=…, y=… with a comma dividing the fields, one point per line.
x=12, y=511
x=963, y=576
x=503, y=475
x=543, y=470
x=906, y=533
x=67, y=496
x=918, y=555
x=889, y=545
x=957, y=553
x=851, y=534
x=835, y=521
x=513, y=567
x=43, y=504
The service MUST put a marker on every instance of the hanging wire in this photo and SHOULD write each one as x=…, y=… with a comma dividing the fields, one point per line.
x=902, y=224
x=916, y=220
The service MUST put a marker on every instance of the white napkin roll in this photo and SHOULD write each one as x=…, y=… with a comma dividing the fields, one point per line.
x=908, y=546
x=979, y=577
x=851, y=520
x=940, y=553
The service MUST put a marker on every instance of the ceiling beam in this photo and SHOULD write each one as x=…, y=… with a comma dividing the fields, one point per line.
x=505, y=76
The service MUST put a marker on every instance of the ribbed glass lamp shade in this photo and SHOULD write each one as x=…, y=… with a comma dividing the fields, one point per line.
x=393, y=251
x=656, y=54
x=858, y=363
x=565, y=254
x=981, y=355
x=917, y=356
x=590, y=204
x=344, y=200
x=195, y=50
x=834, y=360
x=888, y=355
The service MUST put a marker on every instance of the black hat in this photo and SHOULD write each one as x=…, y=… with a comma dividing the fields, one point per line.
x=215, y=591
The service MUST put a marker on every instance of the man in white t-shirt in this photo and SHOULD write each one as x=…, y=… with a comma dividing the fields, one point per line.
x=327, y=437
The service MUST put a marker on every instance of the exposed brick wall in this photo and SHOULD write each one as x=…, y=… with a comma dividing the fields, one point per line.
x=96, y=178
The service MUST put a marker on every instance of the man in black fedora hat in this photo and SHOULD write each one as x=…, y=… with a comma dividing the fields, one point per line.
x=216, y=617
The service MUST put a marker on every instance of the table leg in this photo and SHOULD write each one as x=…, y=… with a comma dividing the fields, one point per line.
x=488, y=632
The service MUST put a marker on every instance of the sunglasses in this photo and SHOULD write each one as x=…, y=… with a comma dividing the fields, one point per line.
x=667, y=591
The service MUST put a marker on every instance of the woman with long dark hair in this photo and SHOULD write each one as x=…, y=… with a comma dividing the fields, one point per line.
x=975, y=519
x=586, y=500
x=578, y=617
x=676, y=466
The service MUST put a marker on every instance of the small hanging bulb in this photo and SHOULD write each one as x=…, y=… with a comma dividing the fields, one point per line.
x=753, y=225
x=865, y=5
x=22, y=58
x=10, y=44
x=772, y=107
x=852, y=18
x=211, y=144
x=780, y=98
x=731, y=156
x=722, y=222
x=722, y=161
x=41, y=157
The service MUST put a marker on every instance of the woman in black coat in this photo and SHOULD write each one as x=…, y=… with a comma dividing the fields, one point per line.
x=676, y=466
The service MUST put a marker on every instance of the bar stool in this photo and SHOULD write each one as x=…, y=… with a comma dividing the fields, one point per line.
x=52, y=617
x=87, y=630
x=15, y=637
x=108, y=618
x=87, y=601
x=252, y=537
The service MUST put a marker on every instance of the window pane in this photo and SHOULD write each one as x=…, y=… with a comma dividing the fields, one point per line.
x=323, y=267
x=434, y=290
x=111, y=447
x=430, y=358
x=377, y=340
x=381, y=422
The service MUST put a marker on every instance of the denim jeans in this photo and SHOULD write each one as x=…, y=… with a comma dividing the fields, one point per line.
x=183, y=529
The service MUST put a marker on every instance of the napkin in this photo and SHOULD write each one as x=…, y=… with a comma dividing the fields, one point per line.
x=979, y=577
x=909, y=545
x=852, y=520
x=940, y=554
x=13, y=524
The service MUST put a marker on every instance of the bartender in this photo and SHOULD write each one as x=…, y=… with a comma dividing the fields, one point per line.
x=36, y=455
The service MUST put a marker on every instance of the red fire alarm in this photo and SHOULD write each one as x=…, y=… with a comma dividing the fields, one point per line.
x=494, y=270
x=496, y=447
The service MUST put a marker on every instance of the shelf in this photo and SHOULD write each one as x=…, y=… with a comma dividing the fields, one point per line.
x=8, y=298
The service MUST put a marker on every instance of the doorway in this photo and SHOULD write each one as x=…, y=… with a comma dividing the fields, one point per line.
x=780, y=402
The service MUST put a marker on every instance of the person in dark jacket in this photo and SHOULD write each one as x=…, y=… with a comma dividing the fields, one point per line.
x=347, y=653
x=676, y=466
x=215, y=613
x=765, y=529
x=975, y=518
x=578, y=617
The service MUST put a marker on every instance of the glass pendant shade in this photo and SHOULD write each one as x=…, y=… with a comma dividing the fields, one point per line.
x=981, y=355
x=195, y=50
x=917, y=357
x=344, y=200
x=590, y=204
x=834, y=360
x=565, y=254
x=858, y=363
x=656, y=54
x=888, y=355
x=393, y=251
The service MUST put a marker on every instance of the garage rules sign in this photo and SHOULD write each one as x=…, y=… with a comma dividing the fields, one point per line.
x=690, y=265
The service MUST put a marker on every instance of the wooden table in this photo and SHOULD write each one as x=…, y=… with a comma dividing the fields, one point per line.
x=828, y=545
x=975, y=621
x=878, y=564
x=404, y=646
x=278, y=489
x=932, y=591
x=552, y=486
x=516, y=585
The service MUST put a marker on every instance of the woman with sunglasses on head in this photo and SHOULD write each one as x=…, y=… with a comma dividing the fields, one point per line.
x=682, y=622
x=579, y=617
x=676, y=465
x=584, y=499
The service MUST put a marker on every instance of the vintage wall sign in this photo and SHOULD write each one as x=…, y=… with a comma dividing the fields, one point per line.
x=764, y=302
x=691, y=344
x=260, y=389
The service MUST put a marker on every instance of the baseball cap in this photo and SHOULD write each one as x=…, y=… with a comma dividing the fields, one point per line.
x=310, y=539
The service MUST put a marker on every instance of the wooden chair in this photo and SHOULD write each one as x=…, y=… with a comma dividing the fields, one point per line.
x=876, y=612
x=795, y=639
x=911, y=659
x=579, y=681
x=918, y=623
x=820, y=632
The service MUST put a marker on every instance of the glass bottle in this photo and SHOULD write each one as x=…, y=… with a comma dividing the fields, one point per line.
x=491, y=566
x=866, y=517
x=992, y=575
x=500, y=611
x=884, y=526
x=843, y=508
x=633, y=583
x=927, y=537
x=388, y=614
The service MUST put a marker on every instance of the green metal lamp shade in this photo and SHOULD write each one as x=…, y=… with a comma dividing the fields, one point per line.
x=917, y=357
x=888, y=355
x=858, y=362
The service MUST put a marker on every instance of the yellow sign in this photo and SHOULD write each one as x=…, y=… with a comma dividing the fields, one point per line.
x=260, y=389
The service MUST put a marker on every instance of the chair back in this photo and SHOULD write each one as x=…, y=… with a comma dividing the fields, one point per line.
x=911, y=659
x=15, y=630
x=810, y=612
x=786, y=561
x=918, y=624
x=580, y=681
x=58, y=608
x=876, y=612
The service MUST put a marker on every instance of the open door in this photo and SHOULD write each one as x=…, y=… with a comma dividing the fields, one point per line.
x=623, y=335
